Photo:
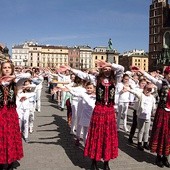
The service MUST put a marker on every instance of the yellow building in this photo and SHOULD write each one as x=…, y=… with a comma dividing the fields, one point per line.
x=135, y=57
x=34, y=55
x=98, y=53
x=140, y=61
x=48, y=56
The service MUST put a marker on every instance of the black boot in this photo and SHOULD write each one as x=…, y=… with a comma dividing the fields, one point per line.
x=146, y=146
x=140, y=147
x=130, y=140
x=10, y=167
x=94, y=165
x=159, y=161
x=106, y=165
x=165, y=161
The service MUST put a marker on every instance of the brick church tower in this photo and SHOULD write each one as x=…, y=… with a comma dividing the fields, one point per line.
x=159, y=34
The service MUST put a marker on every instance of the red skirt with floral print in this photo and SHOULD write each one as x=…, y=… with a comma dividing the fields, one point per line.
x=102, y=139
x=10, y=136
x=160, y=136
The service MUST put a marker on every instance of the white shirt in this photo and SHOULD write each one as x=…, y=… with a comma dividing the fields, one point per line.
x=145, y=105
x=123, y=97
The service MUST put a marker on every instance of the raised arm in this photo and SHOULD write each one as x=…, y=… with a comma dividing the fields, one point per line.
x=119, y=70
x=155, y=81
x=85, y=76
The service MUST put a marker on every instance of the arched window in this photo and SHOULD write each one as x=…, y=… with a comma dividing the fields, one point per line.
x=167, y=40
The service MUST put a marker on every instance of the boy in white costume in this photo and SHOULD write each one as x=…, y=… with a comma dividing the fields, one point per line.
x=38, y=80
x=24, y=101
x=123, y=102
x=145, y=107
x=88, y=99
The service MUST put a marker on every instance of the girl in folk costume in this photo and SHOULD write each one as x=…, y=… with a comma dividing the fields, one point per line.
x=160, y=135
x=10, y=136
x=102, y=139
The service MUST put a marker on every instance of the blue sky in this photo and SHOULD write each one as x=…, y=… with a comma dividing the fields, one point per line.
x=76, y=22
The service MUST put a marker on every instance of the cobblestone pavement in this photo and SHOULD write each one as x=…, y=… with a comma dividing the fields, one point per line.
x=51, y=147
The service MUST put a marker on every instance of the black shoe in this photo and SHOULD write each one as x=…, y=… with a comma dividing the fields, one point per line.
x=62, y=109
x=106, y=166
x=140, y=147
x=146, y=146
x=159, y=161
x=130, y=141
x=94, y=165
x=165, y=161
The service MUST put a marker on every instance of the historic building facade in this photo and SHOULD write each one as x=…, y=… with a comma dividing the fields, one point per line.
x=85, y=57
x=99, y=53
x=137, y=58
x=34, y=55
x=74, y=57
x=159, y=34
x=80, y=57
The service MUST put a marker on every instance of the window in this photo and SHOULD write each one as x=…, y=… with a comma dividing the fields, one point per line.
x=96, y=57
x=102, y=57
x=155, y=39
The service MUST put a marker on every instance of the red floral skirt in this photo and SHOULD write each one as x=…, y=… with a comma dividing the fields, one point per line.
x=160, y=136
x=10, y=136
x=102, y=139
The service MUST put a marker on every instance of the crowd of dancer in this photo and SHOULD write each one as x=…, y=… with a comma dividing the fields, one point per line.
x=95, y=100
